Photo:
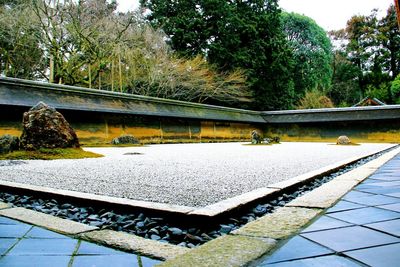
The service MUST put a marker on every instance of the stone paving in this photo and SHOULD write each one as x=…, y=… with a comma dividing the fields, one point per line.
x=362, y=229
x=27, y=245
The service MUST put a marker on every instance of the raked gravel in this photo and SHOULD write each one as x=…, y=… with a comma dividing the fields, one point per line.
x=183, y=174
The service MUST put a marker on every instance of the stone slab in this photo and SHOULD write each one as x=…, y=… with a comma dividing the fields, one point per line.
x=224, y=251
x=4, y=205
x=278, y=225
x=233, y=203
x=129, y=242
x=324, y=196
x=47, y=221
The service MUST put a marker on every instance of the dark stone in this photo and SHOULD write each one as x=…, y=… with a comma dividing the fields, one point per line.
x=225, y=228
x=175, y=231
x=8, y=143
x=255, y=137
x=125, y=139
x=44, y=127
x=155, y=237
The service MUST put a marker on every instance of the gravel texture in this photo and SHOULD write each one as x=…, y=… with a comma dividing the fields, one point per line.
x=183, y=174
x=163, y=229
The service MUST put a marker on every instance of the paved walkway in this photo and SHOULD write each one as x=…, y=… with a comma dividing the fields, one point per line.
x=362, y=229
x=26, y=245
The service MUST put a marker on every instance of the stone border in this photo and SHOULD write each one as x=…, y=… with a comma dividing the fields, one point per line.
x=119, y=240
x=207, y=212
x=245, y=245
x=242, y=246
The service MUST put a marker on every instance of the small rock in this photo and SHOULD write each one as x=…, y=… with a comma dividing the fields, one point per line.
x=125, y=139
x=225, y=228
x=155, y=237
x=8, y=143
x=175, y=231
x=343, y=140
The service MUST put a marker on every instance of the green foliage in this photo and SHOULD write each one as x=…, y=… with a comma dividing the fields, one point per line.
x=395, y=89
x=315, y=99
x=312, y=52
x=233, y=34
x=372, y=47
x=381, y=93
x=50, y=154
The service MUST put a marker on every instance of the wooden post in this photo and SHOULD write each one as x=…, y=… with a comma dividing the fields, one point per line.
x=397, y=5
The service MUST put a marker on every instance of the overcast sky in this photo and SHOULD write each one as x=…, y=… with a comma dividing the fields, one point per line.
x=329, y=14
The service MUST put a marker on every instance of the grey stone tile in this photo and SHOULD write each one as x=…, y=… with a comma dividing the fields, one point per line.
x=114, y=261
x=392, y=207
x=34, y=261
x=343, y=205
x=350, y=238
x=38, y=232
x=382, y=256
x=355, y=195
x=297, y=248
x=386, y=177
x=17, y=231
x=375, y=200
x=315, y=262
x=389, y=227
x=395, y=194
x=381, y=191
x=386, y=184
x=4, y=220
x=6, y=244
x=324, y=223
x=44, y=247
x=87, y=248
x=365, y=215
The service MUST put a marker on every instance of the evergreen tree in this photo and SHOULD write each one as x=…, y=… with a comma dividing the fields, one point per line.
x=232, y=35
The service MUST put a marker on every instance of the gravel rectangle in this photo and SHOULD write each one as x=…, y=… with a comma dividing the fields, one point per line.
x=182, y=174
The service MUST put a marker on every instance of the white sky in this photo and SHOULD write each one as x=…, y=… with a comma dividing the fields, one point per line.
x=329, y=14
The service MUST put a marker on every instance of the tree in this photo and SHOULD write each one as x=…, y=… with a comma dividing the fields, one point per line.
x=20, y=52
x=232, y=35
x=312, y=53
x=87, y=43
x=344, y=88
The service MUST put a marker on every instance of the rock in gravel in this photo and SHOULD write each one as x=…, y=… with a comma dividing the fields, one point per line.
x=44, y=127
x=175, y=231
x=125, y=139
x=343, y=140
x=8, y=143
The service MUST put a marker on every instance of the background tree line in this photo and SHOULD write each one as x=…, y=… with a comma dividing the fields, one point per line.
x=246, y=54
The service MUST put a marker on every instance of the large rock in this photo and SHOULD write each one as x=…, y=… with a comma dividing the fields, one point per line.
x=343, y=140
x=125, y=139
x=8, y=143
x=44, y=127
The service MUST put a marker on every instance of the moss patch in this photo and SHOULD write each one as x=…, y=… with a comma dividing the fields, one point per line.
x=48, y=154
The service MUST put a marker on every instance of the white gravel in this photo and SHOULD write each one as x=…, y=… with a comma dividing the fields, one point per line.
x=184, y=174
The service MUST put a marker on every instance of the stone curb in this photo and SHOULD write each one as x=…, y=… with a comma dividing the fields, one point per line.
x=129, y=242
x=50, y=222
x=326, y=195
x=4, y=205
x=281, y=224
x=278, y=226
x=206, y=212
x=227, y=205
x=159, y=207
x=228, y=250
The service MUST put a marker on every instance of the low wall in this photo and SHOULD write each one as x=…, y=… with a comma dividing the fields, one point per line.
x=99, y=116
